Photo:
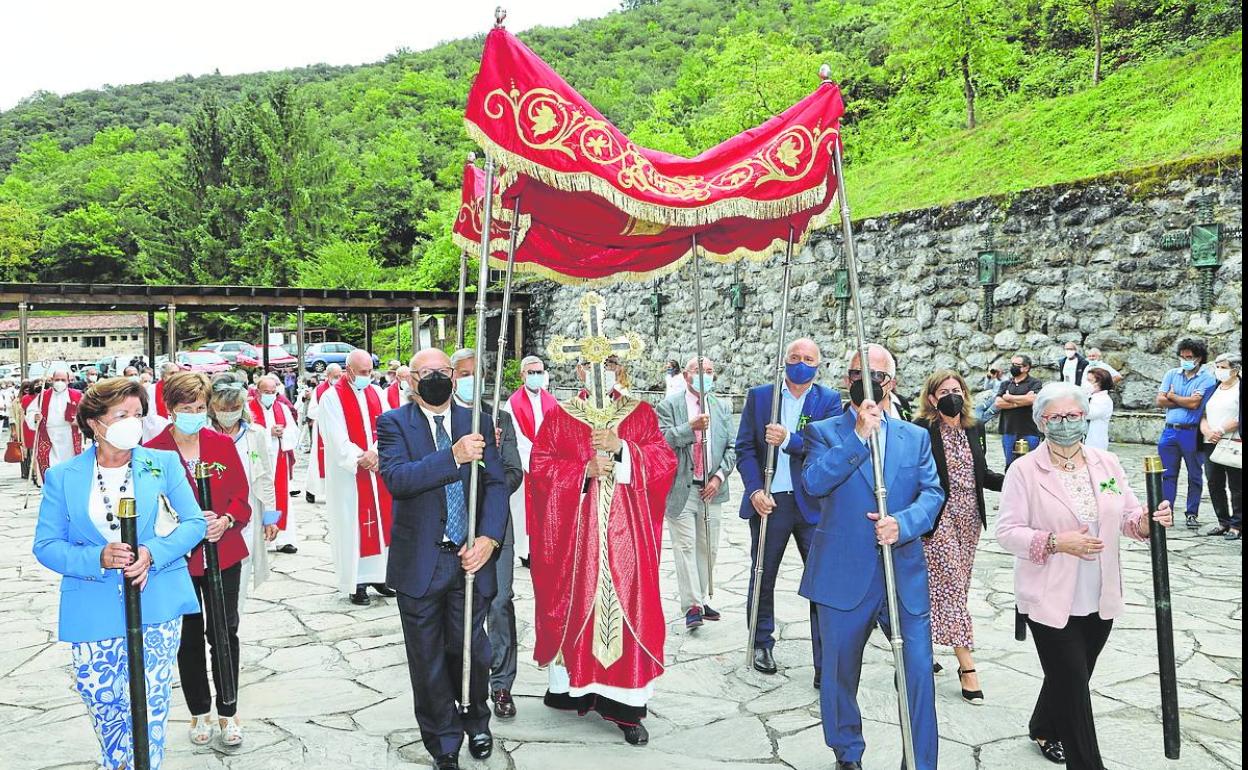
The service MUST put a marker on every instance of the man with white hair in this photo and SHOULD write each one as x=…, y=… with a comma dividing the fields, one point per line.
x=275, y=418
x=528, y=408
x=688, y=418
x=1096, y=360
x=314, y=486
x=156, y=395
x=359, y=506
x=400, y=388
x=51, y=417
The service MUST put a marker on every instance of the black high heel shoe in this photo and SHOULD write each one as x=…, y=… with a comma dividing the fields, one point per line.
x=973, y=697
x=1052, y=751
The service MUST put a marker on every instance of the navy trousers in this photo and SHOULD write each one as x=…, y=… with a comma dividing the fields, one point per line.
x=1181, y=446
x=844, y=634
x=784, y=522
x=1009, y=439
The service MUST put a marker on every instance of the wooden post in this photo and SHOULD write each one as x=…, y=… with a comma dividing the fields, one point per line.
x=415, y=330
x=23, y=342
x=172, y=345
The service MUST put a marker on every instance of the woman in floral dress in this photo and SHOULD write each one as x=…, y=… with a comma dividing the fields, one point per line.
x=958, y=445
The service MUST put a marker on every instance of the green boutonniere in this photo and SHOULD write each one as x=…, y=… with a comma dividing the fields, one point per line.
x=802, y=422
x=253, y=455
x=215, y=468
x=1110, y=487
x=151, y=468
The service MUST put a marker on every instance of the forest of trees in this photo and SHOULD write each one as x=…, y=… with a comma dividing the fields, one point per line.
x=348, y=177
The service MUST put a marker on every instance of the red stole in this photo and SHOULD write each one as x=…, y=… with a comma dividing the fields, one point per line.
x=320, y=442
x=392, y=395
x=281, y=475
x=43, y=441
x=161, y=409
x=522, y=411
x=371, y=507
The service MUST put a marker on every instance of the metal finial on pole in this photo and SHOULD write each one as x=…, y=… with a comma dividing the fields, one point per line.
x=769, y=468
x=877, y=464
x=500, y=16
x=474, y=474
x=825, y=72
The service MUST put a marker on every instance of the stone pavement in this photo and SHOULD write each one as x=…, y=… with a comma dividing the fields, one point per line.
x=324, y=683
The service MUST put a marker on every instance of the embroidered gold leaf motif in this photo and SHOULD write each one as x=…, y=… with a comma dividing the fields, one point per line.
x=543, y=120
x=788, y=152
x=597, y=144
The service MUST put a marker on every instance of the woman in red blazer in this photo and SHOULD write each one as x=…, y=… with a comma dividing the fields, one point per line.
x=186, y=396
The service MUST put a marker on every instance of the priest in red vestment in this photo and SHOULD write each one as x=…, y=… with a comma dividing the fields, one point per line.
x=597, y=496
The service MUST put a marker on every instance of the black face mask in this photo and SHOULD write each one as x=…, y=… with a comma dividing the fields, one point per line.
x=435, y=389
x=858, y=393
x=1016, y=371
x=951, y=405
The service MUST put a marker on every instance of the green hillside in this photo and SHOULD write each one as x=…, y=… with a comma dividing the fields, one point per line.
x=348, y=176
x=1189, y=106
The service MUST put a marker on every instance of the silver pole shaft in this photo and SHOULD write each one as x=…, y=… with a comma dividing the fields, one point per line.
x=769, y=469
x=502, y=323
x=474, y=473
x=877, y=464
x=463, y=290
x=705, y=400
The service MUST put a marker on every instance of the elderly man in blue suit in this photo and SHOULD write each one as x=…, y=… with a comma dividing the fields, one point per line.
x=785, y=508
x=426, y=449
x=844, y=574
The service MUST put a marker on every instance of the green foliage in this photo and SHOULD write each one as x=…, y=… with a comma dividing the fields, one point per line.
x=349, y=176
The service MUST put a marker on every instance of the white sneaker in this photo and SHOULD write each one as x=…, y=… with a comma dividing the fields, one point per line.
x=231, y=732
x=201, y=729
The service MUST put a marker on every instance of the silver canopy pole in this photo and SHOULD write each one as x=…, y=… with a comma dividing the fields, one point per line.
x=705, y=400
x=502, y=324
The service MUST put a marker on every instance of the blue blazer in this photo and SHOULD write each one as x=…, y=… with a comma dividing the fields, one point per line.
x=844, y=558
x=67, y=542
x=821, y=403
x=416, y=472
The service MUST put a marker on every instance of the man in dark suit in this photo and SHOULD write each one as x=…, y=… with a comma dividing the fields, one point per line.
x=844, y=576
x=427, y=450
x=785, y=508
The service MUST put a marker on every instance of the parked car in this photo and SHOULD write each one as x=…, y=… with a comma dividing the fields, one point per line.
x=250, y=358
x=204, y=361
x=9, y=371
x=228, y=350
x=319, y=356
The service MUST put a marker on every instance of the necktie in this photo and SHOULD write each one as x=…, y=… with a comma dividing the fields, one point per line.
x=456, y=512
x=699, y=458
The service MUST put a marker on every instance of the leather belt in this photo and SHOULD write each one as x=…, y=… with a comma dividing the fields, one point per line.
x=1183, y=425
x=448, y=546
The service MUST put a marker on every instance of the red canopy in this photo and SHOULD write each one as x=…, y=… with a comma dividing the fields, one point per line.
x=531, y=121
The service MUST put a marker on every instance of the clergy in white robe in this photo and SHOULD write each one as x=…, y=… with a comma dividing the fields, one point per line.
x=51, y=416
x=314, y=484
x=359, y=505
x=528, y=407
x=277, y=421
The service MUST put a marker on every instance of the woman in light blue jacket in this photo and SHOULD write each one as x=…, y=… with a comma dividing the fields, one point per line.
x=78, y=536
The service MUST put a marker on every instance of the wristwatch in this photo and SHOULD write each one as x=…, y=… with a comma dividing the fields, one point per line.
x=497, y=545
x=1051, y=546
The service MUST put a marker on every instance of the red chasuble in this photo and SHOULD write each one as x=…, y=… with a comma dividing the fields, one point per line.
x=595, y=579
x=371, y=507
x=281, y=474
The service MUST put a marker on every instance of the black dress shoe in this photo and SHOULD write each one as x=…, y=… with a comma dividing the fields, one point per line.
x=383, y=589
x=848, y=766
x=288, y=549
x=524, y=562
x=636, y=735
x=446, y=762
x=311, y=498
x=360, y=596
x=294, y=493
x=504, y=705
x=481, y=746
x=1053, y=751
x=764, y=663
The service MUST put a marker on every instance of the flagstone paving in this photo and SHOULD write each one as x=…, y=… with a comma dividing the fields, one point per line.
x=324, y=683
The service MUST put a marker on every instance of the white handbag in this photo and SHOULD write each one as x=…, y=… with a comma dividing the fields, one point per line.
x=1228, y=452
x=166, y=518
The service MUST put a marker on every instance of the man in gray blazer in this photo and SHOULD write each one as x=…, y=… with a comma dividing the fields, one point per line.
x=683, y=418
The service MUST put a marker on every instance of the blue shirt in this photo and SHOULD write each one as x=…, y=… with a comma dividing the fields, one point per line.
x=1201, y=382
x=790, y=413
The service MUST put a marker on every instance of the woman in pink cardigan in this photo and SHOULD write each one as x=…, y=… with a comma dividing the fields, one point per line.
x=1062, y=510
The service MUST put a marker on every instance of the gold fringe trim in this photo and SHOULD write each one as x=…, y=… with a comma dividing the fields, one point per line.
x=578, y=182
x=496, y=244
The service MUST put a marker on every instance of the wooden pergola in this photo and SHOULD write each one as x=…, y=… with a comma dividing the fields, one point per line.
x=262, y=300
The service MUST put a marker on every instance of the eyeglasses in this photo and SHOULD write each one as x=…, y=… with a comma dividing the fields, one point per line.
x=445, y=371
x=1068, y=417
x=877, y=376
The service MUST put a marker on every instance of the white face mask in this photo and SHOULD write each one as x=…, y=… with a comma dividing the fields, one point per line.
x=125, y=434
x=229, y=419
x=1222, y=375
x=60, y=386
x=1071, y=353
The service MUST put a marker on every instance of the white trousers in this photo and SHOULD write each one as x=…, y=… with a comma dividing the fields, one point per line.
x=689, y=544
